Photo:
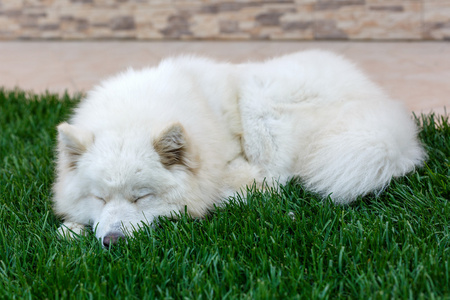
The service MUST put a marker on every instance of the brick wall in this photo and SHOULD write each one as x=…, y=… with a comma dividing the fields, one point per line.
x=215, y=19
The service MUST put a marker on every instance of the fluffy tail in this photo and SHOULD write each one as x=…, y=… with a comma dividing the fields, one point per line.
x=360, y=154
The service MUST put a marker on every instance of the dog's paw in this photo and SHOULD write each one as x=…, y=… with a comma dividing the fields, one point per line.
x=70, y=230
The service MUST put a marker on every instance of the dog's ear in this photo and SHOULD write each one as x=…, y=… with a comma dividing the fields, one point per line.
x=173, y=147
x=73, y=142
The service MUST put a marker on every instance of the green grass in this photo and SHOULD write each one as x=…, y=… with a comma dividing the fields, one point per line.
x=394, y=246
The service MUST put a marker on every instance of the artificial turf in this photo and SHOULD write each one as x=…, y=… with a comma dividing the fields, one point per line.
x=283, y=244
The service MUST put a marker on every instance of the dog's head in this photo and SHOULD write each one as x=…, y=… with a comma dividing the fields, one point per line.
x=116, y=181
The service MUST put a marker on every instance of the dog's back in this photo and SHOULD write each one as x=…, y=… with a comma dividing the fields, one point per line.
x=316, y=116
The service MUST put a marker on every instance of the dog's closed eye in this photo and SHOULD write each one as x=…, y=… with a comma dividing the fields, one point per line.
x=100, y=198
x=136, y=199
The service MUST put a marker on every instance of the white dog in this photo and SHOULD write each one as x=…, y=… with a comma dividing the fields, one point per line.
x=191, y=132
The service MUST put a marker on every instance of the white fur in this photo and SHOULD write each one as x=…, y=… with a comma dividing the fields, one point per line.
x=311, y=114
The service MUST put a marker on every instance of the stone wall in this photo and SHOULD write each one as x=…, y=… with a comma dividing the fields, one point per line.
x=215, y=19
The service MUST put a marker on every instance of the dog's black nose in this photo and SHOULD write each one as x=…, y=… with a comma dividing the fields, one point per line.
x=112, y=238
